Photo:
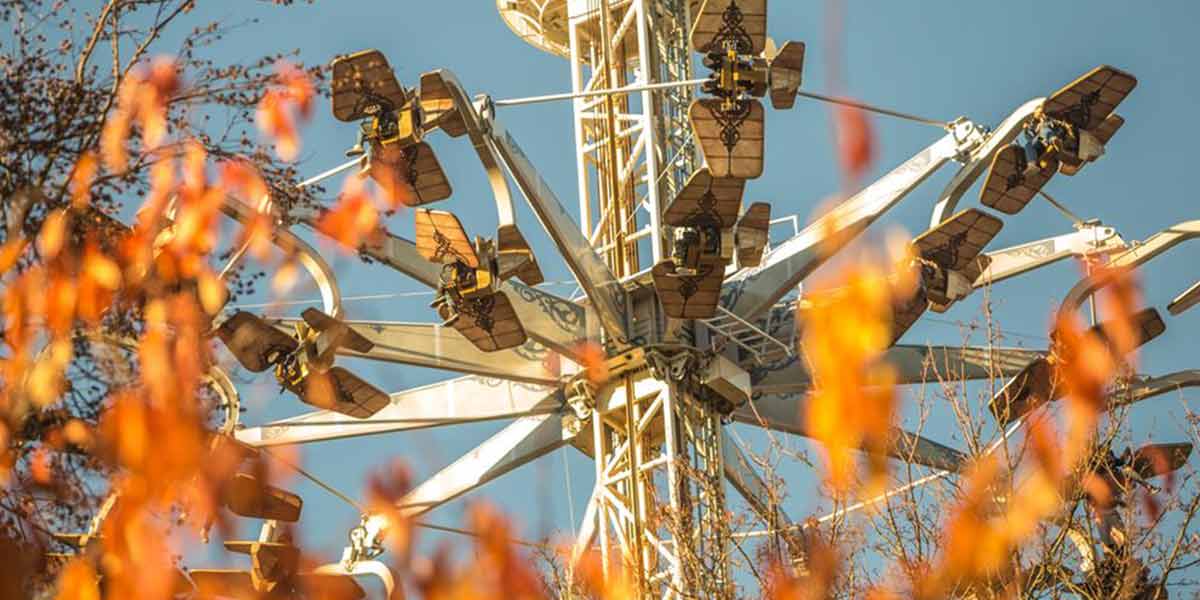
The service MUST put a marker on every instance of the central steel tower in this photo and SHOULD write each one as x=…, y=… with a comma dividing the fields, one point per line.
x=658, y=505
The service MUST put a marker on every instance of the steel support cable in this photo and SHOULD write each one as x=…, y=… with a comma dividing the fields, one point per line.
x=941, y=124
x=875, y=109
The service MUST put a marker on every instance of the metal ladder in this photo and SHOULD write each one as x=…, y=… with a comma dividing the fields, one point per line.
x=764, y=348
x=761, y=346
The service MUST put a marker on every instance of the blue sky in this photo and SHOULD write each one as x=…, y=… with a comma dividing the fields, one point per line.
x=937, y=58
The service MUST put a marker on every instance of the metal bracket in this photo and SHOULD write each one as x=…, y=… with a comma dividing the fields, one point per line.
x=366, y=540
x=979, y=158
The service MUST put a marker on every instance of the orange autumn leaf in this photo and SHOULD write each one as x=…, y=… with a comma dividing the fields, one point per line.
x=594, y=360
x=162, y=186
x=197, y=222
x=299, y=87
x=82, y=178
x=53, y=235
x=853, y=402
x=78, y=581
x=283, y=106
x=285, y=277
x=1098, y=490
x=353, y=219
x=61, y=297
x=552, y=364
x=276, y=123
x=10, y=252
x=40, y=468
x=100, y=268
x=257, y=235
x=142, y=98
x=617, y=584
x=385, y=490
x=46, y=380
x=1043, y=441
x=397, y=192
x=816, y=583
x=242, y=180
x=112, y=140
x=77, y=433
x=152, y=96
x=509, y=575
x=1120, y=299
x=855, y=140
x=195, y=161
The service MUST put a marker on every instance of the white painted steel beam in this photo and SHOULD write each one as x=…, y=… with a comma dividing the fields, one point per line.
x=595, y=278
x=914, y=364
x=461, y=400
x=751, y=292
x=437, y=347
x=525, y=440
x=785, y=412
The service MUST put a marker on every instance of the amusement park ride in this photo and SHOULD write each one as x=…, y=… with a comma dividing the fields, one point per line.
x=695, y=312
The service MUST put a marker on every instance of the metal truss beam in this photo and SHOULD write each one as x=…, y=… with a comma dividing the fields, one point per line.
x=462, y=400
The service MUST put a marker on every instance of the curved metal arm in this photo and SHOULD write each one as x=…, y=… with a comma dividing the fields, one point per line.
x=216, y=377
x=230, y=399
x=290, y=243
x=1132, y=258
x=1156, y=386
x=981, y=160
x=1185, y=300
x=477, y=132
x=363, y=568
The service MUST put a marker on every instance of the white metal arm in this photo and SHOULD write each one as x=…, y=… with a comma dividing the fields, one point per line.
x=437, y=347
x=751, y=292
x=525, y=440
x=1088, y=240
x=462, y=400
x=594, y=277
x=914, y=364
x=785, y=412
x=1156, y=386
x=1185, y=300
